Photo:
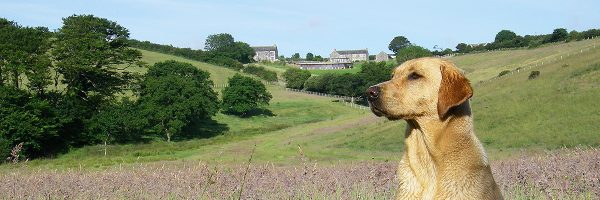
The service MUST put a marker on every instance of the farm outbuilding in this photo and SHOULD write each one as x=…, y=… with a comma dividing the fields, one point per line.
x=382, y=56
x=324, y=65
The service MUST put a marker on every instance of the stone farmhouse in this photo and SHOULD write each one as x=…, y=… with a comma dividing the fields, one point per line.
x=382, y=56
x=349, y=56
x=266, y=53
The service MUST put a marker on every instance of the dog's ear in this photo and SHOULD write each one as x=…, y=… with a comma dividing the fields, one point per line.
x=454, y=89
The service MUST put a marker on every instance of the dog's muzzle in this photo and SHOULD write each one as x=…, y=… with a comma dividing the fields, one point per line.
x=373, y=94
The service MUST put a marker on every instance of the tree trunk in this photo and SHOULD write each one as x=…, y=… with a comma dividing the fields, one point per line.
x=16, y=79
x=104, y=147
x=168, y=136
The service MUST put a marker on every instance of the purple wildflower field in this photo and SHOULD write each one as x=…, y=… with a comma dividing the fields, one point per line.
x=561, y=174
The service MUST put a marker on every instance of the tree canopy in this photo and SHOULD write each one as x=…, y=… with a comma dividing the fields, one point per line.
x=310, y=56
x=174, y=95
x=559, y=34
x=90, y=53
x=224, y=43
x=295, y=78
x=412, y=52
x=219, y=42
x=504, y=35
x=398, y=43
x=244, y=95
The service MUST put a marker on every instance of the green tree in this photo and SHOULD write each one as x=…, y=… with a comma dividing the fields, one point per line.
x=345, y=84
x=296, y=56
x=412, y=52
x=398, y=43
x=310, y=56
x=447, y=51
x=219, y=42
x=504, y=35
x=559, y=34
x=30, y=120
x=295, y=78
x=318, y=58
x=90, y=53
x=23, y=51
x=174, y=95
x=573, y=35
x=372, y=73
x=224, y=43
x=117, y=122
x=463, y=48
x=261, y=72
x=244, y=95
x=243, y=52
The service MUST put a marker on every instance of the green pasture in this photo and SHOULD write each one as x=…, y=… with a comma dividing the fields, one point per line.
x=512, y=114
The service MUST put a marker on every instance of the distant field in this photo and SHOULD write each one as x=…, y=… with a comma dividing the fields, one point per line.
x=483, y=66
x=219, y=75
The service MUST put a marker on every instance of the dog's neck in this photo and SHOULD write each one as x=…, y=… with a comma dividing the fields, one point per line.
x=446, y=142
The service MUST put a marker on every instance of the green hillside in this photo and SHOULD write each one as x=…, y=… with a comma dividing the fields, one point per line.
x=219, y=75
x=483, y=66
x=512, y=113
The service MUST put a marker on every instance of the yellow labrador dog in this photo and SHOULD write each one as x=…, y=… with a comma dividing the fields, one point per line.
x=443, y=159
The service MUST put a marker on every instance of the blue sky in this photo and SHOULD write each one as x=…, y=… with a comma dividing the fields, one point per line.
x=317, y=26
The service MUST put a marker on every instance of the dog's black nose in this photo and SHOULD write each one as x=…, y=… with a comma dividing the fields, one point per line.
x=373, y=93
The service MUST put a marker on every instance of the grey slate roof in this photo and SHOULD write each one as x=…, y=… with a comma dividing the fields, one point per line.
x=344, y=52
x=265, y=48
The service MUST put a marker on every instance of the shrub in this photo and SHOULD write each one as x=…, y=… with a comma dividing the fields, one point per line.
x=533, y=75
x=261, y=72
x=502, y=73
x=295, y=78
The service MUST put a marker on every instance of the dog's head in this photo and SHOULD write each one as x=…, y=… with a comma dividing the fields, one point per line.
x=420, y=87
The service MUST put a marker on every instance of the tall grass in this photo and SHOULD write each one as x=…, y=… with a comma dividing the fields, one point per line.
x=562, y=174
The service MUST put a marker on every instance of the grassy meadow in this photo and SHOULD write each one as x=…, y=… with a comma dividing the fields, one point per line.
x=512, y=113
x=486, y=65
x=306, y=142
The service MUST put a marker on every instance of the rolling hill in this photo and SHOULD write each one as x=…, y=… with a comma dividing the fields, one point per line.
x=512, y=113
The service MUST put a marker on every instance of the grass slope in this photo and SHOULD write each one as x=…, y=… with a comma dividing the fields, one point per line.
x=511, y=113
x=219, y=75
x=483, y=66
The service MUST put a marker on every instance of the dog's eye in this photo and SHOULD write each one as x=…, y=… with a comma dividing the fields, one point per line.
x=414, y=76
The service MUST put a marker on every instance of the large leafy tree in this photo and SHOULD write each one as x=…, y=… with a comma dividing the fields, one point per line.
x=505, y=35
x=241, y=52
x=412, y=52
x=23, y=52
x=310, y=56
x=27, y=119
x=243, y=95
x=174, y=95
x=295, y=78
x=559, y=34
x=224, y=44
x=219, y=42
x=91, y=53
x=399, y=42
